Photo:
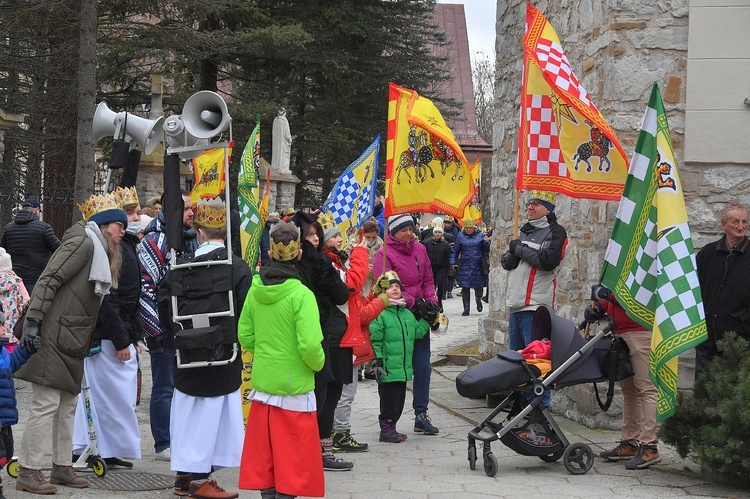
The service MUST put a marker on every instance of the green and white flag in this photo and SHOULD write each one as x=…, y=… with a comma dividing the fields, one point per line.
x=247, y=199
x=650, y=259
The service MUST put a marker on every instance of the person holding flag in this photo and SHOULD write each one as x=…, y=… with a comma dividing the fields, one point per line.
x=639, y=438
x=650, y=266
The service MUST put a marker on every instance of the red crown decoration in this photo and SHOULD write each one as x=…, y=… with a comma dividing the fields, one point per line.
x=127, y=195
x=98, y=203
x=211, y=214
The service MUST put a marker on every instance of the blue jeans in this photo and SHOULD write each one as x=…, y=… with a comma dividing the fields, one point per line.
x=519, y=333
x=422, y=371
x=162, y=388
x=519, y=329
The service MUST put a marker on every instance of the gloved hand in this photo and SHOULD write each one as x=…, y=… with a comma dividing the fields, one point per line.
x=513, y=245
x=600, y=293
x=381, y=284
x=419, y=309
x=509, y=261
x=378, y=370
x=431, y=312
x=384, y=298
x=593, y=313
x=31, y=340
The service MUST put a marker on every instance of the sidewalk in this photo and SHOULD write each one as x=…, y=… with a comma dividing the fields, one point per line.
x=430, y=467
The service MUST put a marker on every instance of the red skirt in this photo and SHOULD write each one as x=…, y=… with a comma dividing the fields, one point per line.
x=282, y=450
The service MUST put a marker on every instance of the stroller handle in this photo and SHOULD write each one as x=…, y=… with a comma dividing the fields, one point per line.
x=609, y=327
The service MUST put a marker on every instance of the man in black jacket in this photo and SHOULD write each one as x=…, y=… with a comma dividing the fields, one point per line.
x=30, y=243
x=723, y=272
x=439, y=253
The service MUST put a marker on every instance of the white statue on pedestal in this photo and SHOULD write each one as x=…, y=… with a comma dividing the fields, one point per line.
x=282, y=143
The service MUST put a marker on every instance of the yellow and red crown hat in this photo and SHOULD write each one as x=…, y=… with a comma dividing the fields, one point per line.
x=211, y=214
x=128, y=196
x=103, y=209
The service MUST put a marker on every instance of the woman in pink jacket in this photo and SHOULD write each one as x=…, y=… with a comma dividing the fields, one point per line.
x=408, y=258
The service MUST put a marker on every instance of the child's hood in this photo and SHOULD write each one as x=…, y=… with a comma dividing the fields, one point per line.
x=275, y=282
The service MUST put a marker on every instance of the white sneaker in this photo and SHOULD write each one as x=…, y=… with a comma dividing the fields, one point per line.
x=164, y=455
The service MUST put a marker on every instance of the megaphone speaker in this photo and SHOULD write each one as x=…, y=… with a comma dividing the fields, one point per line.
x=146, y=132
x=105, y=122
x=174, y=127
x=205, y=114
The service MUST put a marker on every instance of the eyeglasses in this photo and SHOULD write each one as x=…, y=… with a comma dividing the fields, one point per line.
x=534, y=204
x=120, y=225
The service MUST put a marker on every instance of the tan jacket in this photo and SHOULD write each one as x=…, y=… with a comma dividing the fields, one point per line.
x=64, y=301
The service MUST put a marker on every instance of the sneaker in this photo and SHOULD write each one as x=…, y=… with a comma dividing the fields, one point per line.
x=209, y=490
x=163, y=455
x=625, y=450
x=182, y=484
x=647, y=455
x=423, y=424
x=333, y=463
x=344, y=442
x=116, y=462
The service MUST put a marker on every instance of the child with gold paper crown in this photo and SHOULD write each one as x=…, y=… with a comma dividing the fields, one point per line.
x=281, y=327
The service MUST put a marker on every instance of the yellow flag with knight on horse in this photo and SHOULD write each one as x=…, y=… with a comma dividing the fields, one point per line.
x=564, y=145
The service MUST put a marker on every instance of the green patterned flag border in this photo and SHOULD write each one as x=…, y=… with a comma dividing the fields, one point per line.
x=247, y=184
x=650, y=258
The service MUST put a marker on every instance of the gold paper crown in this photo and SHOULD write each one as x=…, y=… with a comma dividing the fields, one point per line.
x=98, y=203
x=127, y=196
x=285, y=252
x=326, y=221
x=548, y=196
x=470, y=222
x=211, y=214
x=448, y=218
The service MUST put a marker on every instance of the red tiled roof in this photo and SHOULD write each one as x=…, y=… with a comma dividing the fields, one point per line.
x=452, y=20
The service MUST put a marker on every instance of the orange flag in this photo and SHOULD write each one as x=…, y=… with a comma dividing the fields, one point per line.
x=426, y=170
x=564, y=144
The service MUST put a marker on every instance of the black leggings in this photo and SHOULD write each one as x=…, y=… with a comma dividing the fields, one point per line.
x=327, y=398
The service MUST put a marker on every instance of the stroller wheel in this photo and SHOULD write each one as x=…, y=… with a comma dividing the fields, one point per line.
x=490, y=464
x=578, y=459
x=551, y=458
x=472, y=457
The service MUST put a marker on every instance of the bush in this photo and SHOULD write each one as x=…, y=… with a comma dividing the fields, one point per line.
x=713, y=424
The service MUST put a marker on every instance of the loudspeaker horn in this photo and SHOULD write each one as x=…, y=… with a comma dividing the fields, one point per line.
x=177, y=136
x=205, y=114
x=105, y=121
x=146, y=132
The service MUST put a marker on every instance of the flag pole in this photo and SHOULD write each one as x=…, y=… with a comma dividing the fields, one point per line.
x=515, y=214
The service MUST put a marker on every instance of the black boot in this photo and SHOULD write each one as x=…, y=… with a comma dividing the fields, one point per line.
x=478, y=295
x=466, y=297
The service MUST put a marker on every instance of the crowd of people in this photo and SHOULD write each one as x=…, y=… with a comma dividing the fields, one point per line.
x=330, y=304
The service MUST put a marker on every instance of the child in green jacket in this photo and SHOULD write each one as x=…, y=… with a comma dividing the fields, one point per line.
x=281, y=327
x=393, y=334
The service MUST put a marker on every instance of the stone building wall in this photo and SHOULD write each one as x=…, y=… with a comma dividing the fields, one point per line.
x=617, y=48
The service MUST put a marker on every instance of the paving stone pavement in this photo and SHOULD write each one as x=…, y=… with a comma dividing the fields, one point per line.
x=434, y=467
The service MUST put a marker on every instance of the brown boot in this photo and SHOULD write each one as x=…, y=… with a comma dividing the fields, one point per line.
x=33, y=481
x=210, y=490
x=66, y=475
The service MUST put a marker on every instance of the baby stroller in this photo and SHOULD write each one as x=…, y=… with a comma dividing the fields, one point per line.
x=528, y=427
